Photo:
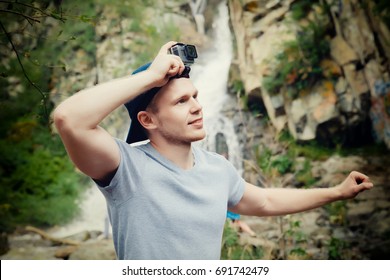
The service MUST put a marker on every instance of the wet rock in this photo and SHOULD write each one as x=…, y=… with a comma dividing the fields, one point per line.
x=30, y=252
x=65, y=252
x=33, y=247
x=94, y=250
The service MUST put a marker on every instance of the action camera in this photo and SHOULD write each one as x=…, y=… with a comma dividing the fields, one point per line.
x=187, y=53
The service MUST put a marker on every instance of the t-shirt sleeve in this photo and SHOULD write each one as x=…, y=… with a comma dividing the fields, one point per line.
x=236, y=186
x=125, y=181
x=236, y=193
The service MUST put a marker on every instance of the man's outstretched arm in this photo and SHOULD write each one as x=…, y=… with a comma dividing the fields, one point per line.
x=274, y=202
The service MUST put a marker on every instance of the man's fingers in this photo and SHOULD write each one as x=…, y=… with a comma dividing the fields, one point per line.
x=164, y=49
x=174, y=69
x=177, y=67
x=359, y=177
x=366, y=185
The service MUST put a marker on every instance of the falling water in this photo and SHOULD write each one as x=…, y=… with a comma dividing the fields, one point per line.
x=210, y=76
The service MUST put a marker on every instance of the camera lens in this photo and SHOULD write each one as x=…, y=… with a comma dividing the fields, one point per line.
x=191, y=51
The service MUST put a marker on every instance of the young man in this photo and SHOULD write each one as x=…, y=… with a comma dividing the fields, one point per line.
x=168, y=199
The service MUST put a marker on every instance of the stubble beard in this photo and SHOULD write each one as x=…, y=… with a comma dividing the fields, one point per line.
x=182, y=140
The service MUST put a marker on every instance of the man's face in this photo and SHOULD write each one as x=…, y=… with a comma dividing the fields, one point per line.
x=177, y=112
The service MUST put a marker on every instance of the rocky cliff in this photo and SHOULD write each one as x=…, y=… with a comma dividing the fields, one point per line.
x=342, y=97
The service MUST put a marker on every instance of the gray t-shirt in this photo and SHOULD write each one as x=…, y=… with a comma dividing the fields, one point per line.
x=160, y=211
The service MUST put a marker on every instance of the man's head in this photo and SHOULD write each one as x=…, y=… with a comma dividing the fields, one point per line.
x=169, y=111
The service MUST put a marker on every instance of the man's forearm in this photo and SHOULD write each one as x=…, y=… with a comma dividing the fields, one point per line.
x=89, y=107
x=288, y=201
x=276, y=201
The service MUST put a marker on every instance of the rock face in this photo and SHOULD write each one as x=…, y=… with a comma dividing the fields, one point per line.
x=338, y=107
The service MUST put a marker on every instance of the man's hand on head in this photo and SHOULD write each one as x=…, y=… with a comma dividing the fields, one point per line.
x=165, y=65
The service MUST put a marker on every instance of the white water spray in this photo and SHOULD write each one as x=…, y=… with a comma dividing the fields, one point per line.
x=210, y=75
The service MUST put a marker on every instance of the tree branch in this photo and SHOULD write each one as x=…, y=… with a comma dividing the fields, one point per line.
x=20, y=14
x=46, y=114
x=55, y=240
x=34, y=8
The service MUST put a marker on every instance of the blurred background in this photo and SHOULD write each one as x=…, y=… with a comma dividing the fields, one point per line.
x=295, y=93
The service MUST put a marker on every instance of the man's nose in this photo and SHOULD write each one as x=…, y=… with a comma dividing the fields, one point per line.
x=195, y=106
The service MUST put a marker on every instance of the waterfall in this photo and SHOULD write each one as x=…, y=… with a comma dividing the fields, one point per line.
x=210, y=76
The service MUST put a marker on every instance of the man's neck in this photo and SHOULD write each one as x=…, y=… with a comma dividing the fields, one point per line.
x=178, y=153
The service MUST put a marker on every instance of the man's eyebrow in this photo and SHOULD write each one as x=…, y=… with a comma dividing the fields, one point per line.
x=181, y=96
x=185, y=95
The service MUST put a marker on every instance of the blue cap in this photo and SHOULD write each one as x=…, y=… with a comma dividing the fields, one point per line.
x=140, y=103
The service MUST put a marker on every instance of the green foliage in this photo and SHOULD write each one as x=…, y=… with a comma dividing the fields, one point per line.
x=274, y=165
x=232, y=250
x=310, y=150
x=270, y=164
x=65, y=39
x=238, y=86
x=298, y=65
x=374, y=149
x=300, y=9
x=151, y=33
x=296, y=240
x=304, y=176
x=38, y=183
x=132, y=9
x=381, y=9
x=263, y=157
x=282, y=164
x=337, y=212
x=153, y=37
x=336, y=247
x=294, y=231
x=297, y=159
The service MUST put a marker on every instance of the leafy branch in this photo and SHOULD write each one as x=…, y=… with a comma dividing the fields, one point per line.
x=42, y=12
x=32, y=15
x=44, y=97
x=28, y=18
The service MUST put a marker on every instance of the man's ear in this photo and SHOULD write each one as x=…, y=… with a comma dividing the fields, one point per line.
x=146, y=120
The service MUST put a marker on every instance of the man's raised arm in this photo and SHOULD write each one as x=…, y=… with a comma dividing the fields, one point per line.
x=90, y=147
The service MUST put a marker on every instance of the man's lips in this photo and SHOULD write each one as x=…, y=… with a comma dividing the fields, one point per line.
x=197, y=121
